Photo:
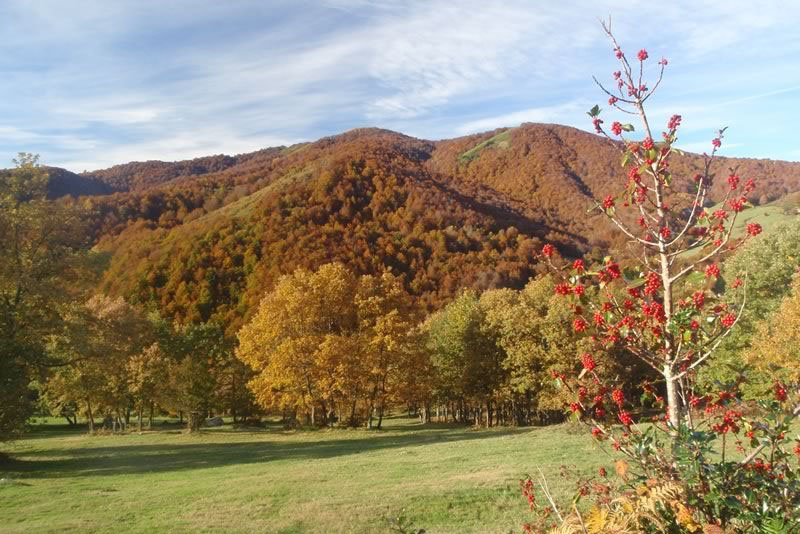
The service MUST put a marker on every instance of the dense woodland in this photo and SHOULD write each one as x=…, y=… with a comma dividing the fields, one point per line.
x=326, y=282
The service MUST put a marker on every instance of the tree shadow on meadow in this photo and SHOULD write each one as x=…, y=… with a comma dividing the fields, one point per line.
x=264, y=447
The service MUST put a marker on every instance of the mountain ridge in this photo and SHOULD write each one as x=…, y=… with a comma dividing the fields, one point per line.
x=203, y=239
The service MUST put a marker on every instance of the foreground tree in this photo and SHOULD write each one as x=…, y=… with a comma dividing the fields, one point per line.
x=99, y=343
x=533, y=329
x=147, y=372
x=666, y=309
x=466, y=359
x=669, y=311
x=198, y=356
x=776, y=346
x=331, y=344
x=392, y=359
x=40, y=267
x=769, y=264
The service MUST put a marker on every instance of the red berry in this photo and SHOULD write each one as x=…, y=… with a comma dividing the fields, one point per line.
x=780, y=392
x=728, y=320
x=625, y=418
x=563, y=289
x=653, y=284
x=698, y=298
x=737, y=204
x=753, y=229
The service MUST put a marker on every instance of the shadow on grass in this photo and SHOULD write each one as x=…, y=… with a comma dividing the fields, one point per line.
x=149, y=458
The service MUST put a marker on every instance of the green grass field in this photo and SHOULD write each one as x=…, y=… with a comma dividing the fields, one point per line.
x=448, y=479
x=501, y=141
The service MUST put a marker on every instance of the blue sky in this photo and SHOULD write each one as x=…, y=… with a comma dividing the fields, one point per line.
x=91, y=84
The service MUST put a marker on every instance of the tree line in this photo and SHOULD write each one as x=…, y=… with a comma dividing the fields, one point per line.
x=325, y=346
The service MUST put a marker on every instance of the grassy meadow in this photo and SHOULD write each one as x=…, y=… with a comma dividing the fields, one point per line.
x=448, y=479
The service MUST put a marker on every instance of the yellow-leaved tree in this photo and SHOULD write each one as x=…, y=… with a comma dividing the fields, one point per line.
x=776, y=344
x=330, y=345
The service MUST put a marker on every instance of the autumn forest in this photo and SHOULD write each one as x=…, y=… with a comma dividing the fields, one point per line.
x=346, y=281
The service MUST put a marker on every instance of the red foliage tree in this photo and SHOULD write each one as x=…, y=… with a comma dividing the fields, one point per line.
x=663, y=308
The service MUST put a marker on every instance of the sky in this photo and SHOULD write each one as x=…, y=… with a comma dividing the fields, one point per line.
x=90, y=84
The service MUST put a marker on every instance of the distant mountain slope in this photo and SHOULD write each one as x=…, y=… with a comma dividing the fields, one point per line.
x=364, y=198
x=142, y=175
x=203, y=239
x=552, y=173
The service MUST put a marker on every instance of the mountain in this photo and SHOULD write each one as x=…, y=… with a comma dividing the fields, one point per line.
x=203, y=239
x=63, y=182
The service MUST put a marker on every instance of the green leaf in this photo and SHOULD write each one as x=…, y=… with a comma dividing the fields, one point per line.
x=627, y=127
x=626, y=158
x=594, y=112
x=630, y=274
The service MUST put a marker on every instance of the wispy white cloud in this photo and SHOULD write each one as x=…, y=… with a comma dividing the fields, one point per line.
x=96, y=83
x=566, y=113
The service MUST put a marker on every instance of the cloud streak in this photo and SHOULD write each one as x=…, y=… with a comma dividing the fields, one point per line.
x=93, y=84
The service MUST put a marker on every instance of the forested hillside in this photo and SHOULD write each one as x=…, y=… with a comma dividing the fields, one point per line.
x=203, y=239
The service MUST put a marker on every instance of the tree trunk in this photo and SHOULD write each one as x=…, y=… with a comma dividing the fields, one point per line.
x=195, y=421
x=673, y=399
x=380, y=416
x=150, y=419
x=325, y=417
x=91, y=415
x=352, y=421
x=233, y=396
x=139, y=416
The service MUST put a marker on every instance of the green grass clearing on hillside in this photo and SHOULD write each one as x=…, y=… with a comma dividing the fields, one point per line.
x=769, y=216
x=297, y=147
x=501, y=140
x=244, y=206
x=448, y=479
